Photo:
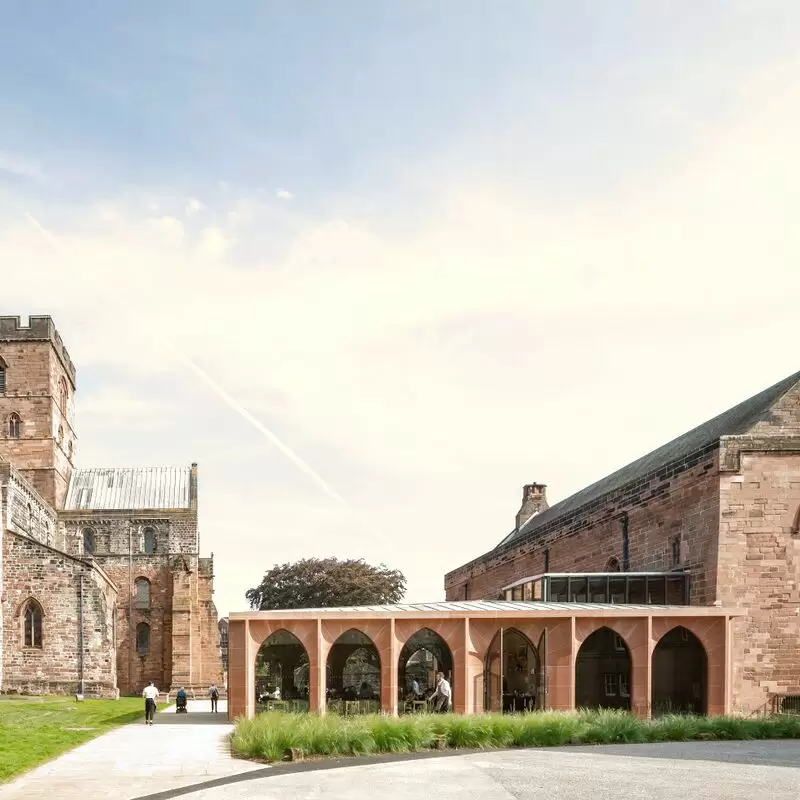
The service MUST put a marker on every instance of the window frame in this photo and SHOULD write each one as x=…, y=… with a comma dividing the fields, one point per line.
x=142, y=650
x=34, y=608
x=152, y=533
x=92, y=536
x=14, y=426
x=138, y=600
x=610, y=684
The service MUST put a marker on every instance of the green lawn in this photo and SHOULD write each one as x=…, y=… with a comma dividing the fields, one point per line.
x=35, y=729
x=269, y=735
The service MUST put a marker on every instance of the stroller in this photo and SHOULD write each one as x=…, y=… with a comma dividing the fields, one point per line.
x=180, y=703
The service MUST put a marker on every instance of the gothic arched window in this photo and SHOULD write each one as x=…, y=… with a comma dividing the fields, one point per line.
x=142, y=597
x=149, y=541
x=32, y=624
x=2, y=376
x=89, y=542
x=142, y=639
x=14, y=426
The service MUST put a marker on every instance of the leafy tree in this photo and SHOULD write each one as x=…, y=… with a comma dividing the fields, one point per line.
x=326, y=582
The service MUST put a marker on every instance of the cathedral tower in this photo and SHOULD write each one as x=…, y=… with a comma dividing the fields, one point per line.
x=37, y=389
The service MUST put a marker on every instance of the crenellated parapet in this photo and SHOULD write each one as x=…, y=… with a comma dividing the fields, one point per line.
x=38, y=329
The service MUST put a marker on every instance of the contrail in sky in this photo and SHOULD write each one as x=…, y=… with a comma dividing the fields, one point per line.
x=227, y=398
x=259, y=426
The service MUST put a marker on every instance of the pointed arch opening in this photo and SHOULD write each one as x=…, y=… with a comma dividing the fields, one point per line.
x=353, y=675
x=14, y=425
x=32, y=624
x=89, y=542
x=282, y=673
x=423, y=656
x=680, y=674
x=512, y=673
x=603, y=672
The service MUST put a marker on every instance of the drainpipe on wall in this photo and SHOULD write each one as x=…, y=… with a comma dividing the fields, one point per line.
x=80, y=639
x=131, y=643
x=626, y=562
x=502, y=667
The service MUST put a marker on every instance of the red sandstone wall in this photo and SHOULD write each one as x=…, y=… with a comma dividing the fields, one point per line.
x=181, y=615
x=759, y=569
x=208, y=652
x=34, y=372
x=683, y=503
x=52, y=579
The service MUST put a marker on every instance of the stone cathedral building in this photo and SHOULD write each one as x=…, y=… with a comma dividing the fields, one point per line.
x=103, y=586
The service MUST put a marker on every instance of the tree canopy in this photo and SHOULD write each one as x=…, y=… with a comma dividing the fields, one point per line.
x=327, y=582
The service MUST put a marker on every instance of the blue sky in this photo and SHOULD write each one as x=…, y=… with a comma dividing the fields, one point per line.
x=440, y=249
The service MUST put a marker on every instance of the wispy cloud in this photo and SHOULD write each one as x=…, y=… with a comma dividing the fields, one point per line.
x=20, y=166
x=425, y=371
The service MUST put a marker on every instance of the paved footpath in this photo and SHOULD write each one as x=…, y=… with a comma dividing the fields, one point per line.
x=696, y=771
x=139, y=760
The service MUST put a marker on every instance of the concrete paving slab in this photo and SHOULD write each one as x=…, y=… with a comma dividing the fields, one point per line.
x=138, y=759
x=532, y=774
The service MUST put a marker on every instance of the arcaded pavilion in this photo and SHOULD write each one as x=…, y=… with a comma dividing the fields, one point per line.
x=507, y=655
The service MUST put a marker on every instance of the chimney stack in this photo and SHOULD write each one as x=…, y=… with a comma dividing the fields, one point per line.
x=534, y=500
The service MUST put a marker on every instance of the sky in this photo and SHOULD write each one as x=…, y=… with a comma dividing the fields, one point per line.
x=374, y=266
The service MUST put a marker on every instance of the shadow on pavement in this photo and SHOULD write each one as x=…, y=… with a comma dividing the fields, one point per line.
x=307, y=766
x=764, y=752
x=192, y=718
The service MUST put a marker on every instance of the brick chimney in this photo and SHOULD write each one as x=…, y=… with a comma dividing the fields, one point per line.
x=534, y=499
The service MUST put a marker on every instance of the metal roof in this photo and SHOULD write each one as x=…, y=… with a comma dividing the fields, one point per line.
x=735, y=421
x=129, y=489
x=489, y=608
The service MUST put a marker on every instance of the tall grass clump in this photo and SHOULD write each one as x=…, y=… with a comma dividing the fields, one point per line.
x=610, y=726
x=270, y=735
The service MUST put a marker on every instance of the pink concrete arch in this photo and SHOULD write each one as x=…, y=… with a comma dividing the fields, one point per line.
x=634, y=633
x=711, y=633
x=380, y=633
x=306, y=632
x=454, y=633
x=329, y=643
x=482, y=633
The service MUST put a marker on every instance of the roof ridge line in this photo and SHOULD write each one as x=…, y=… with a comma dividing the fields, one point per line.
x=736, y=420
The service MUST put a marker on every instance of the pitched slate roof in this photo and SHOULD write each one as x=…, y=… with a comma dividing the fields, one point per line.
x=735, y=421
x=129, y=488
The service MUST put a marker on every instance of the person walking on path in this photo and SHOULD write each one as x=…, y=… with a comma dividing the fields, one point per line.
x=214, y=694
x=441, y=697
x=150, y=695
